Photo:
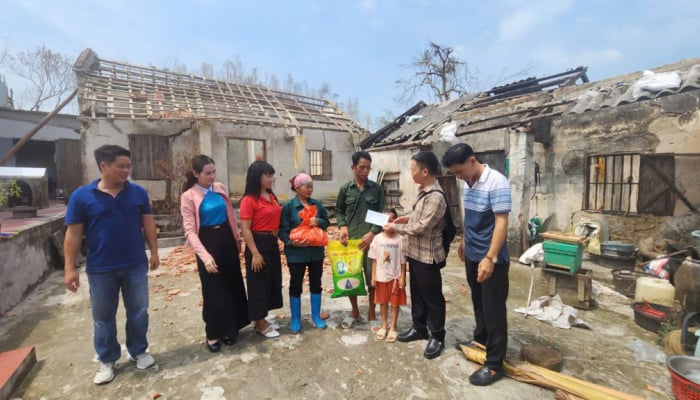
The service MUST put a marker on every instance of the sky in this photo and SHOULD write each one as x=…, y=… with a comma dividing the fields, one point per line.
x=362, y=47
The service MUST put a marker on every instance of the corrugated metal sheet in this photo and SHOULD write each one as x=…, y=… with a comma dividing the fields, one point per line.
x=620, y=93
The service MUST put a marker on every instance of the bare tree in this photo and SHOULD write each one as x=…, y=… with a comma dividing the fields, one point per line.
x=206, y=70
x=252, y=78
x=351, y=107
x=273, y=82
x=234, y=71
x=438, y=70
x=386, y=118
x=174, y=64
x=324, y=92
x=50, y=74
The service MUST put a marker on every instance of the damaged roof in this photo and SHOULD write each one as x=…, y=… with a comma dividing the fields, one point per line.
x=117, y=90
x=526, y=101
x=625, y=92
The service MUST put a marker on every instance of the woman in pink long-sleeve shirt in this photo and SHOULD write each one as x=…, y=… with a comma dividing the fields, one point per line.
x=211, y=229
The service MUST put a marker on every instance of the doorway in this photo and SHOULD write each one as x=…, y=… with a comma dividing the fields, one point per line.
x=240, y=154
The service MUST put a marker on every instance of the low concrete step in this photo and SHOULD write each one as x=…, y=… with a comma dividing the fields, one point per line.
x=14, y=367
x=171, y=241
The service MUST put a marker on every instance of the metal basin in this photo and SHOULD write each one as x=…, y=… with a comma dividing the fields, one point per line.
x=686, y=366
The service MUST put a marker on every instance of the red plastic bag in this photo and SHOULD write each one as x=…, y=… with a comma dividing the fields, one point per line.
x=313, y=235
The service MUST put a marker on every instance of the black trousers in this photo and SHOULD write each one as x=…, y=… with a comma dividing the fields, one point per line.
x=296, y=278
x=225, y=308
x=489, y=300
x=427, y=301
x=264, y=286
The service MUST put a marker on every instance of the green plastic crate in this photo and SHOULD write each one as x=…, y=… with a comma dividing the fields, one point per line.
x=563, y=255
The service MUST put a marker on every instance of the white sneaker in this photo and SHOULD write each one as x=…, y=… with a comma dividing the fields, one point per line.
x=105, y=374
x=143, y=360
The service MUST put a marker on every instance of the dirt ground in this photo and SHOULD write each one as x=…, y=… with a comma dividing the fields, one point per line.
x=324, y=364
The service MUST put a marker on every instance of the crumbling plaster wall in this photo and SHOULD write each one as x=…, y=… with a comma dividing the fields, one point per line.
x=517, y=146
x=98, y=132
x=286, y=150
x=25, y=260
x=342, y=148
x=666, y=125
x=397, y=160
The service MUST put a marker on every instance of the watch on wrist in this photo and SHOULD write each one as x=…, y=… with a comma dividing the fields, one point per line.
x=494, y=260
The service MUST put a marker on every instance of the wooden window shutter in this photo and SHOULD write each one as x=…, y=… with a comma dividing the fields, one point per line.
x=327, y=171
x=656, y=184
x=160, y=157
x=150, y=157
x=139, y=146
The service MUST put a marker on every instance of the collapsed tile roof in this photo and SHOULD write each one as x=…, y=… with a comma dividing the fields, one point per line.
x=524, y=102
x=117, y=90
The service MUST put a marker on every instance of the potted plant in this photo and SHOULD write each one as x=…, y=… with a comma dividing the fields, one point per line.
x=8, y=190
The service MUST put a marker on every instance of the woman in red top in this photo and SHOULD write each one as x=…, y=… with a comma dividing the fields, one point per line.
x=260, y=221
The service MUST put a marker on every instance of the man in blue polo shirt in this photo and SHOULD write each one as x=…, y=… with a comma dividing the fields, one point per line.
x=114, y=215
x=484, y=251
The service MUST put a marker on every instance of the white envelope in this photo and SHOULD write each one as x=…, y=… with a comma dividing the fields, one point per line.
x=376, y=218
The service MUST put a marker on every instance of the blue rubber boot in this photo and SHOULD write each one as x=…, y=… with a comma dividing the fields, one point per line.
x=295, y=306
x=316, y=319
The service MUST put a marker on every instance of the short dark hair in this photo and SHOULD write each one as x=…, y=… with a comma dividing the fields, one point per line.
x=457, y=154
x=360, y=154
x=428, y=159
x=109, y=152
x=391, y=211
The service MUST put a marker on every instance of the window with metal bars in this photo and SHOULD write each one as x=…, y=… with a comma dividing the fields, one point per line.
x=320, y=166
x=613, y=183
x=392, y=191
x=631, y=183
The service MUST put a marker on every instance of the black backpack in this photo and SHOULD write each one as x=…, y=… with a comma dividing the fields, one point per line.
x=449, y=232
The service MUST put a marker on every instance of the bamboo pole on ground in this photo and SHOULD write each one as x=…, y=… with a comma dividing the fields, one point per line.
x=564, y=395
x=539, y=376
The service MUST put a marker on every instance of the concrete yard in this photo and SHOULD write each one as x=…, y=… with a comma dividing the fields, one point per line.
x=329, y=364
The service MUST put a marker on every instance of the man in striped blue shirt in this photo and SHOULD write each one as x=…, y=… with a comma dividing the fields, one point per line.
x=485, y=254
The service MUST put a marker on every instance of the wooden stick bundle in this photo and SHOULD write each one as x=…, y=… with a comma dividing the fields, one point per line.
x=539, y=376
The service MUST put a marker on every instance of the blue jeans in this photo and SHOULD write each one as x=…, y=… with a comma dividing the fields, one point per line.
x=104, y=296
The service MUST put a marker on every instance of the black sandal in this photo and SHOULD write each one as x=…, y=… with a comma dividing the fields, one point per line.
x=229, y=341
x=214, y=347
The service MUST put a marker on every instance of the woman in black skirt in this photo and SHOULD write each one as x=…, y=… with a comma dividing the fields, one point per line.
x=260, y=221
x=210, y=228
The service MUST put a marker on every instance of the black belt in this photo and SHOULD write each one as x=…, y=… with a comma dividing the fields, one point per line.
x=212, y=227
x=270, y=233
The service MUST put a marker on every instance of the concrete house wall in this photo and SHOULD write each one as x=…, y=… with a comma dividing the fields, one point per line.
x=667, y=125
x=514, y=144
x=557, y=130
x=285, y=150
